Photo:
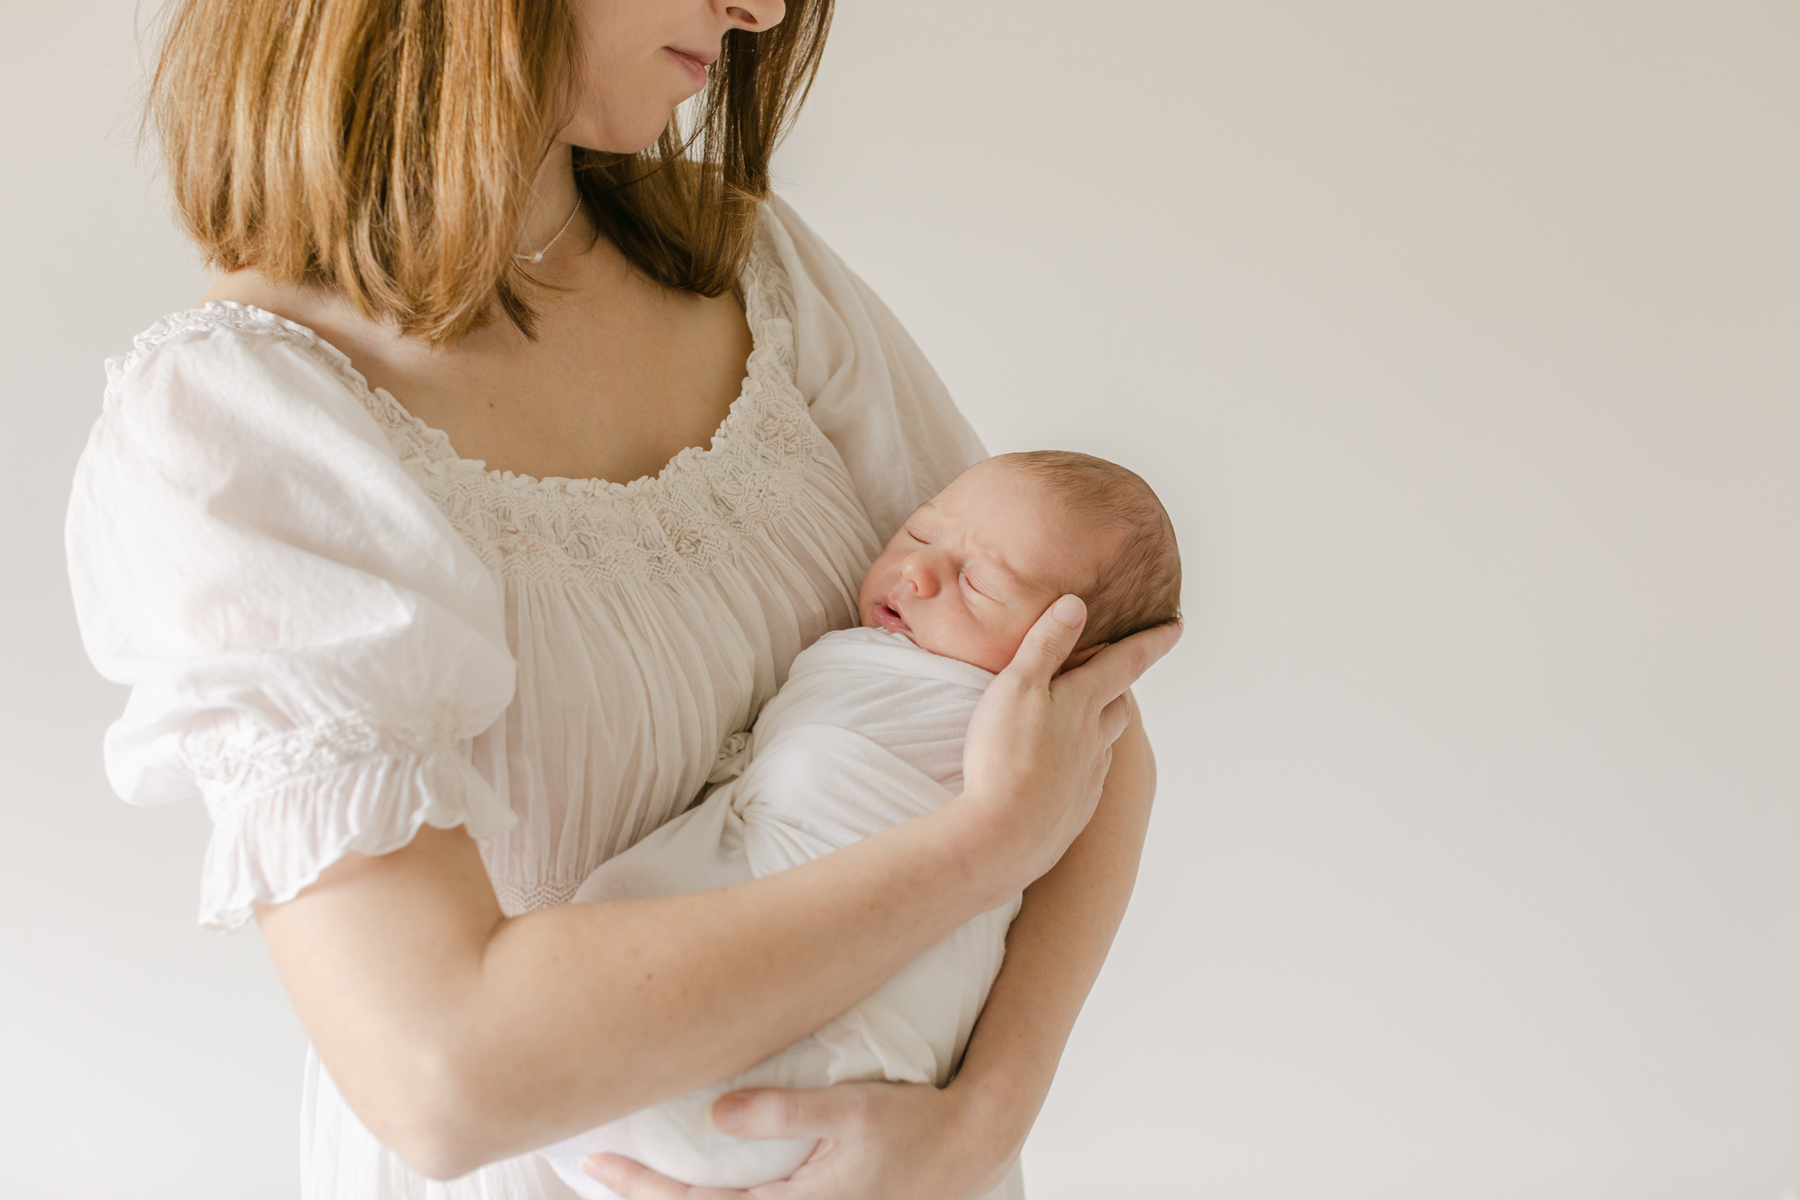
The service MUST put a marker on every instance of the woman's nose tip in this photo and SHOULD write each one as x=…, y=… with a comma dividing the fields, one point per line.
x=757, y=14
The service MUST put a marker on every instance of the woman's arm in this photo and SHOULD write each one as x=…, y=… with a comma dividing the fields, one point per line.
x=460, y=1036
x=1054, y=952
x=916, y=1143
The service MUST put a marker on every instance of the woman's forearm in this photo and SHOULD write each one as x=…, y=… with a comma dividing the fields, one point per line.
x=460, y=1036
x=1054, y=952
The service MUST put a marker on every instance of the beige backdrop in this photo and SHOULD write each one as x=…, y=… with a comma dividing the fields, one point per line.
x=1460, y=340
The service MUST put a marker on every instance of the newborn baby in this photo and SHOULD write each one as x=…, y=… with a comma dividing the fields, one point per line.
x=868, y=732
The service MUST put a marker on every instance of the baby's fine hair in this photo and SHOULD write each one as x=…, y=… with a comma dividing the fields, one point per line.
x=1140, y=586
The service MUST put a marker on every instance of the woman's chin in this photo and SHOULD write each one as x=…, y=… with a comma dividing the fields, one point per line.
x=635, y=137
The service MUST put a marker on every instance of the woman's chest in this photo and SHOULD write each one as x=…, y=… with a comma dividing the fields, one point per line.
x=649, y=621
x=610, y=385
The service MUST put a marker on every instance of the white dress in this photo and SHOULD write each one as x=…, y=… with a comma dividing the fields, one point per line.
x=336, y=630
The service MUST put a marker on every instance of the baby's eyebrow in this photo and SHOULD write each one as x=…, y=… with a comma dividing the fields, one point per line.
x=925, y=511
x=992, y=557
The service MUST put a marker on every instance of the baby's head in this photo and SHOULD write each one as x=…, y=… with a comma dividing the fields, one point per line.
x=975, y=566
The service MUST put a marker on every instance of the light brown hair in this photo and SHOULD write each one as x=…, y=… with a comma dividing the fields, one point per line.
x=1139, y=584
x=385, y=149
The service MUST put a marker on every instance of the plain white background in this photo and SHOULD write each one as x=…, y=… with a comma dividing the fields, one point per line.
x=1460, y=340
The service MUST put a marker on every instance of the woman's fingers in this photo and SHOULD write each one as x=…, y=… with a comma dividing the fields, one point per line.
x=1049, y=642
x=635, y=1181
x=1114, y=718
x=782, y=1112
x=1109, y=673
x=1039, y=743
x=756, y=1113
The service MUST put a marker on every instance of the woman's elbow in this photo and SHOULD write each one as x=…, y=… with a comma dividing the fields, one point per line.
x=433, y=1116
x=437, y=1158
x=440, y=1153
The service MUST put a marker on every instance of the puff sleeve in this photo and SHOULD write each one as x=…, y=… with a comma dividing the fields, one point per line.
x=308, y=642
x=869, y=386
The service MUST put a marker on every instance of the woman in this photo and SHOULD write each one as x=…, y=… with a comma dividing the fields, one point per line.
x=346, y=530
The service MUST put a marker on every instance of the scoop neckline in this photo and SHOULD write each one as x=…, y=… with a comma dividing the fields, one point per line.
x=440, y=450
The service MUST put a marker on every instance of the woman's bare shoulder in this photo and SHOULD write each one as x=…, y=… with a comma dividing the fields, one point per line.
x=325, y=313
x=300, y=303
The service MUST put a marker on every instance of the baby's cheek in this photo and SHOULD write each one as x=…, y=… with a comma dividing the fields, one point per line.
x=994, y=650
x=867, y=593
x=1008, y=640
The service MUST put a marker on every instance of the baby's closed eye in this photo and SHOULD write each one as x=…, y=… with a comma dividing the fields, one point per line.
x=976, y=586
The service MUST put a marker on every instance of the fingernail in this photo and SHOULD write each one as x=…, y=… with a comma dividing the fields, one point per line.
x=1069, y=610
x=599, y=1166
x=728, y=1114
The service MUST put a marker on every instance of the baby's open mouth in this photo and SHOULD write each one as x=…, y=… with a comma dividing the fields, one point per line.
x=889, y=618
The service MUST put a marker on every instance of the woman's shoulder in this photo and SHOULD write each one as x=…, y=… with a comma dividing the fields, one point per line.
x=250, y=288
x=233, y=361
x=836, y=309
x=869, y=385
x=246, y=324
x=816, y=271
x=231, y=399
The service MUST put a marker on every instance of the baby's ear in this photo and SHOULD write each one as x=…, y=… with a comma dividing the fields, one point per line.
x=1080, y=656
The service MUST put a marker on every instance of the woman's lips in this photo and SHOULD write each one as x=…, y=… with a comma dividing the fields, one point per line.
x=889, y=618
x=693, y=64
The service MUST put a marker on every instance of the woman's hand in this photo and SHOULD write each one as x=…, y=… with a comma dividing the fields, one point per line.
x=1041, y=742
x=877, y=1141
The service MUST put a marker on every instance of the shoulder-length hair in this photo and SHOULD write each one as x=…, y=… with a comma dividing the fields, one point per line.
x=385, y=149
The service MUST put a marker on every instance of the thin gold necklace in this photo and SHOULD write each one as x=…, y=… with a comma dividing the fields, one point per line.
x=539, y=256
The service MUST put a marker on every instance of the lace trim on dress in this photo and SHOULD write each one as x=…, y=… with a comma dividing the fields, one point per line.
x=233, y=769
x=699, y=508
x=516, y=898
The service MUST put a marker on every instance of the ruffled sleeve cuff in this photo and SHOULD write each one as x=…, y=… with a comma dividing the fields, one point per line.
x=268, y=846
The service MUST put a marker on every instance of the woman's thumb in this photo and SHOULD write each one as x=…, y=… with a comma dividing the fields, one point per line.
x=1051, y=640
x=773, y=1112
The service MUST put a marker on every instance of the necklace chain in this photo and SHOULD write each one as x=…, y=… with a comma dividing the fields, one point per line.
x=539, y=256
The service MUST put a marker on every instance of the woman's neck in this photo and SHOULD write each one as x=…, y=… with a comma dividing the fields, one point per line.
x=553, y=198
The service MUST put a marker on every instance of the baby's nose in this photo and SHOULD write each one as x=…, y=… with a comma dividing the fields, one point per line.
x=919, y=573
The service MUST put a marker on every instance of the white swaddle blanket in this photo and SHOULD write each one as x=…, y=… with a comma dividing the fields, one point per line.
x=867, y=732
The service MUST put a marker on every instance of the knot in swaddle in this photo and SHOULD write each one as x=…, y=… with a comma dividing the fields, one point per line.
x=733, y=757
